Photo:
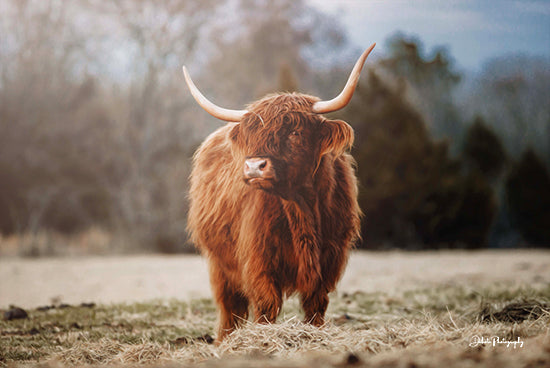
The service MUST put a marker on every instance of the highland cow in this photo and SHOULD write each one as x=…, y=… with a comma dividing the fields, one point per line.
x=273, y=203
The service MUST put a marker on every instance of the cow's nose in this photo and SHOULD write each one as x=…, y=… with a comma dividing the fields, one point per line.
x=255, y=167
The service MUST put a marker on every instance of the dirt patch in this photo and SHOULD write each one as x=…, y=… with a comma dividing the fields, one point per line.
x=515, y=312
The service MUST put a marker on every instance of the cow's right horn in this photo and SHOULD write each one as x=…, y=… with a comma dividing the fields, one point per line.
x=340, y=101
x=211, y=108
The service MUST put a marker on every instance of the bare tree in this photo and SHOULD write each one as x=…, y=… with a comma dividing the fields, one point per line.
x=93, y=115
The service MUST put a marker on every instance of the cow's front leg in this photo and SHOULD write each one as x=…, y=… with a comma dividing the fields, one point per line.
x=315, y=305
x=233, y=305
x=266, y=298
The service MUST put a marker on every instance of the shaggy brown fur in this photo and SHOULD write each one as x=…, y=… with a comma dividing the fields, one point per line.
x=291, y=233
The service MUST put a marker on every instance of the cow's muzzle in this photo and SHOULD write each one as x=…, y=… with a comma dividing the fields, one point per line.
x=259, y=172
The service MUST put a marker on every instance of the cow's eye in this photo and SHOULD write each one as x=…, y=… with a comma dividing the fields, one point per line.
x=294, y=134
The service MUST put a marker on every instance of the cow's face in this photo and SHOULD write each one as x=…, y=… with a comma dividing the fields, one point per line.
x=280, y=143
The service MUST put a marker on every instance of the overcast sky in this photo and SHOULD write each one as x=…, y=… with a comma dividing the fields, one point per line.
x=472, y=30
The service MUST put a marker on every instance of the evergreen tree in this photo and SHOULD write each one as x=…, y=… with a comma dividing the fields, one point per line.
x=483, y=151
x=431, y=81
x=528, y=193
x=412, y=193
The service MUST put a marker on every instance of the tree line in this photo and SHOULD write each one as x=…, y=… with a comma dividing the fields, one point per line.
x=463, y=190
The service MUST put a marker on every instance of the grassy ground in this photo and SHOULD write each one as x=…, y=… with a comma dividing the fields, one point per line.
x=425, y=327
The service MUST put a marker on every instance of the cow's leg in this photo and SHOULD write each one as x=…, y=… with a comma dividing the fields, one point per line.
x=233, y=310
x=266, y=298
x=333, y=261
x=233, y=305
x=315, y=305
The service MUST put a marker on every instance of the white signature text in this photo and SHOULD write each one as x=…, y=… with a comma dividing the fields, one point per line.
x=495, y=341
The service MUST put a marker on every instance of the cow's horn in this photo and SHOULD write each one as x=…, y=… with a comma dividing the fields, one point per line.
x=340, y=101
x=211, y=108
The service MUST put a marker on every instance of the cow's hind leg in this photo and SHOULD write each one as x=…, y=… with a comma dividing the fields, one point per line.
x=232, y=304
x=315, y=305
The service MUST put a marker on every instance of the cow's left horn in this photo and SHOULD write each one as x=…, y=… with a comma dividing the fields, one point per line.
x=211, y=108
x=340, y=101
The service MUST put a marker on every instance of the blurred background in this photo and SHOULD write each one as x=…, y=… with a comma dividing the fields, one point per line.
x=97, y=128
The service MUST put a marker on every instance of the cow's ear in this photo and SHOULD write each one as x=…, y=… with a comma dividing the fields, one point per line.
x=336, y=136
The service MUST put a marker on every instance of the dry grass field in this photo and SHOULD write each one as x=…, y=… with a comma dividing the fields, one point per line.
x=433, y=309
